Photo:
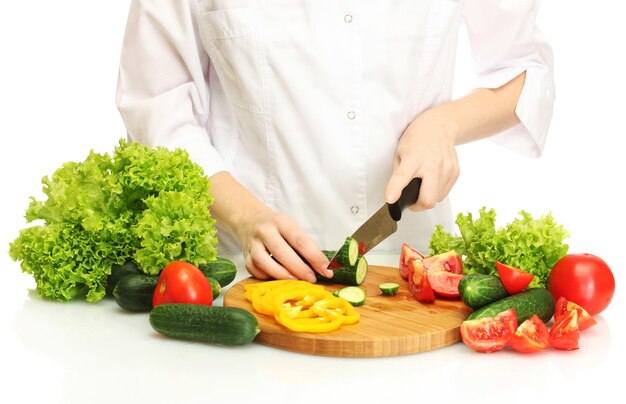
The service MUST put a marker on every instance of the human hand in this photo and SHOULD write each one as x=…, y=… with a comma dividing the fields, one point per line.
x=273, y=245
x=426, y=150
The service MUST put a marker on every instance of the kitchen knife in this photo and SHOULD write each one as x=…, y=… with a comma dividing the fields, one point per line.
x=383, y=223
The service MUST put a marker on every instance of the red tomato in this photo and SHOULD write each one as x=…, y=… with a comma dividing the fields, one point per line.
x=445, y=284
x=182, y=282
x=489, y=334
x=531, y=336
x=408, y=254
x=514, y=279
x=419, y=285
x=563, y=306
x=584, y=279
x=564, y=333
x=449, y=261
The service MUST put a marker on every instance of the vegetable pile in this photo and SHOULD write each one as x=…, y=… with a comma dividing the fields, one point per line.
x=532, y=245
x=142, y=204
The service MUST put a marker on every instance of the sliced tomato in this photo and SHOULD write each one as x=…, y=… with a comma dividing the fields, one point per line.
x=419, y=285
x=514, y=279
x=407, y=255
x=449, y=262
x=489, y=334
x=564, y=334
x=563, y=306
x=531, y=336
x=445, y=284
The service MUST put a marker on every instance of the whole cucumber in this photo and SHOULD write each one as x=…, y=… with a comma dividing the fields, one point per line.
x=531, y=301
x=478, y=290
x=134, y=292
x=215, y=324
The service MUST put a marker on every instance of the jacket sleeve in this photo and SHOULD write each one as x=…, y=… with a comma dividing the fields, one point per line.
x=162, y=92
x=504, y=42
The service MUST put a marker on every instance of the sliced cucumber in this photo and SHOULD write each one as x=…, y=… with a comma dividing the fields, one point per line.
x=389, y=288
x=353, y=294
x=349, y=252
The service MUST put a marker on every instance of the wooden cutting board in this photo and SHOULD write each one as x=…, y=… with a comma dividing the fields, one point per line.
x=389, y=325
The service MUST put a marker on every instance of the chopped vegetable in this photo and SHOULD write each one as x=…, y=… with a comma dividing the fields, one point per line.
x=563, y=307
x=419, y=285
x=532, y=245
x=489, y=334
x=300, y=306
x=407, y=255
x=531, y=336
x=389, y=288
x=148, y=205
x=353, y=294
x=347, y=254
x=514, y=280
x=564, y=334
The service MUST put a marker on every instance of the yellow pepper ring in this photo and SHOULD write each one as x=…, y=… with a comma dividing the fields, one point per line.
x=301, y=306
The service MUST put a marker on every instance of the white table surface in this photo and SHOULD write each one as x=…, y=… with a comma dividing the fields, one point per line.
x=95, y=353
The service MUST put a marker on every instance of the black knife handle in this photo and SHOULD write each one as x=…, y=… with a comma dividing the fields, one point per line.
x=408, y=197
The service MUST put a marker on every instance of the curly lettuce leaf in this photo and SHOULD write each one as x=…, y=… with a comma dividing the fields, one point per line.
x=141, y=203
x=533, y=245
x=175, y=226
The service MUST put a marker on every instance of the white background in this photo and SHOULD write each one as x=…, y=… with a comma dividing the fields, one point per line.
x=58, y=74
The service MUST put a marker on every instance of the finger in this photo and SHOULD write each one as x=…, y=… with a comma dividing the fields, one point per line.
x=313, y=256
x=261, y=265
x=452, y=177
x=400, y=178
x=429, y=192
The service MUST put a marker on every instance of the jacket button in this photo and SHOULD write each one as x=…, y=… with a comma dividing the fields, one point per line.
x=354, y=209
x=351, y=115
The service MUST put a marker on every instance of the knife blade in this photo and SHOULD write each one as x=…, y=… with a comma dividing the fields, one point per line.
x=384, y=222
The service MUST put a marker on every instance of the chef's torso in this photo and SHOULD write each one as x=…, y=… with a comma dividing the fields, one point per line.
x=308, y=100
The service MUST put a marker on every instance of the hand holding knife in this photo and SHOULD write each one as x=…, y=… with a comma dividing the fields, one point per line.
x=383, y=223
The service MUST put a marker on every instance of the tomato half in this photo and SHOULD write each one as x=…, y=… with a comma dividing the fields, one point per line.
x=445, y=284
x=419, y=285
x=531, y=336
x=564, y=334
x=449, y=261
x=563, y=306
x=584, y=279
x=489, y=334
x=514, y=279
x=182, y=282
x=407, y=255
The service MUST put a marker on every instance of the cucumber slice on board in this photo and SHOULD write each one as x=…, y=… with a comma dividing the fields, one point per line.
x=389, y=288
x=353, y=294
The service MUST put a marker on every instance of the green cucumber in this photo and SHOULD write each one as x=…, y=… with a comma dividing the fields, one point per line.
x=531, y=301
x=353, y=294
x=478, y=290
x=348, y=253
x=216, y=288
x=389, y=288
x=134, y=292
x=118, y=272
x=347, y=275
x=215, y=324
x=221, y=269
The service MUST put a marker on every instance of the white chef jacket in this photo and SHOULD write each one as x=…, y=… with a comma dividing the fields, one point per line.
x=303, y=101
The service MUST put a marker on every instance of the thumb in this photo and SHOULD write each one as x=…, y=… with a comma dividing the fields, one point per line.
x=399, y=179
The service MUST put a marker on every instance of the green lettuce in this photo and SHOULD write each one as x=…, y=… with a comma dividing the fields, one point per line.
x=149, y=205
x=533, y=245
